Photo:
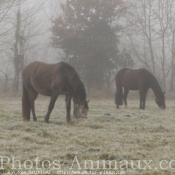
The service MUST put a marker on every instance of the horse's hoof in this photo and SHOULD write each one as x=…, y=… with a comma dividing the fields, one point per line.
x=35, y=120
x=70, y=122
x=46, y=121
x=26, y=120
x=68, y=119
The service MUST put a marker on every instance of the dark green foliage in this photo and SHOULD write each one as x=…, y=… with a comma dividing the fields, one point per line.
x=87, y=31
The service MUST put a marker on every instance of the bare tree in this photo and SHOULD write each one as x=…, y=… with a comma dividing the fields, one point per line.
x=7, y=71
x=21, y=34
x=151, y=27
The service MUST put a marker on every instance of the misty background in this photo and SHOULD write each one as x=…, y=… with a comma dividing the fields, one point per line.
x=97, y=37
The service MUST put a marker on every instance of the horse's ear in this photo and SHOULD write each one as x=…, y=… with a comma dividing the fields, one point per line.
x=163, y=92
x=88, y=101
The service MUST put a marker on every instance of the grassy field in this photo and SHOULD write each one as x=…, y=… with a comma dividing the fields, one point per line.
x=116, y=136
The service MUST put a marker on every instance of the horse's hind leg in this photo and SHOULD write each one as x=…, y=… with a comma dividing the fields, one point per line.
x=116, y=100
x=126, y=91
x=33, y=109
x=119, y=96
x=51, y=106
x=68, y=107
x=141, y=101
x=32, y=97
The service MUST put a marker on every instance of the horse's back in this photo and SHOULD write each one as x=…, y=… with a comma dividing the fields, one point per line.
x=132, y=79
x=44, y=78
x=34, y=70
x=30, y=67
x=37, y=77
x=119, y=75
x=44, y=69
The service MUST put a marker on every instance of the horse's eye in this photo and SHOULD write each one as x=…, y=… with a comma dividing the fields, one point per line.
x=83, y=112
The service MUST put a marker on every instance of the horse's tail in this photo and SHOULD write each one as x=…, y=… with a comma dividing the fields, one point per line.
x=119, y=89
x=25, y=105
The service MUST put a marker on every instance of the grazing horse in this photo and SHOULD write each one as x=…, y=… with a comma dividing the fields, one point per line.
x=138, y=79
x=53, y=80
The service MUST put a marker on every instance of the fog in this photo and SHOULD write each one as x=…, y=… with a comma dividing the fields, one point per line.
x=97, y=37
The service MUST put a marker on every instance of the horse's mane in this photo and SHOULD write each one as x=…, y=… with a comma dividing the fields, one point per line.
x=75, y=83
x=153, y=82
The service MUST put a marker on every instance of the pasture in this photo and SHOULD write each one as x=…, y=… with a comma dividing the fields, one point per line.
x=109, y=134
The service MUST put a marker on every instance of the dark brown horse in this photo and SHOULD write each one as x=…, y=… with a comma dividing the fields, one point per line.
x=139, y=79
x=53, y=80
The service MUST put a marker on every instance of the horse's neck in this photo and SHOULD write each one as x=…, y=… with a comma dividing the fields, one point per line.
x=79, y=91
x=156, y=88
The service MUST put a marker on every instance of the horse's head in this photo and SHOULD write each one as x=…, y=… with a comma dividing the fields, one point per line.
x=160, y=100
x=81, y=109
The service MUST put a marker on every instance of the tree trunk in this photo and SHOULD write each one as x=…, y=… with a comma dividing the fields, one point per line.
x=18, y=54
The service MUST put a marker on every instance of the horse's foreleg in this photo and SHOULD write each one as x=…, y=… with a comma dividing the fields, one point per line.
x=144, y=98
x=68, y=107
x=33, y=113
x=51, y=106
x=125, y=97
x=75, y=110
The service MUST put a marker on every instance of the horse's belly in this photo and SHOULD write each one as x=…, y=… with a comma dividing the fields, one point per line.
x=43, y=90
x=46, y=93
x=133, y=88
x=130, y=85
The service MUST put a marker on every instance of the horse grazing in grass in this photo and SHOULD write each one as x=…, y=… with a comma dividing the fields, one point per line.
x=138, y=79
x=53, y=80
